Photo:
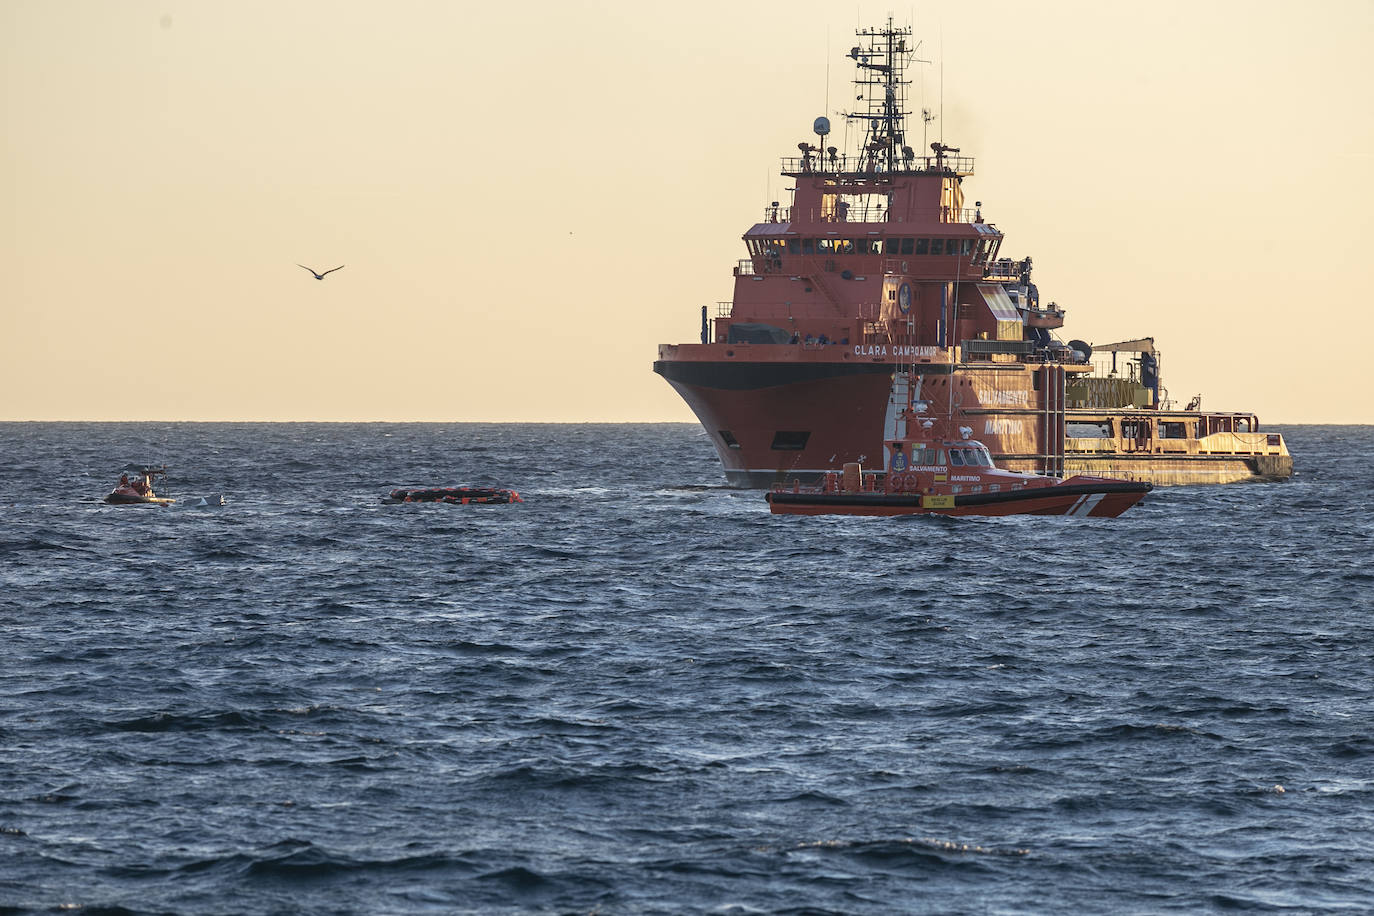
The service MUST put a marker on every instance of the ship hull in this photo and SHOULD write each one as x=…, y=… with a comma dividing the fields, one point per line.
x=1100, y=499
x=771, y=423
x=124, y=499
x=793, y=416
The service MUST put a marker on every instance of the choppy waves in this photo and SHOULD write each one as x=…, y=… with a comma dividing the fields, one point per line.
x=639, y=692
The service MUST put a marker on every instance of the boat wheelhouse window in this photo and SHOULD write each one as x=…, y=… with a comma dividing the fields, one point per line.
x=728, y=438
x=906, y=245
x=808, y=246
x=844, y=246
x=1100, y=430
x=790, y=441
x=956, y=457
x=968, y=246
x=1135, y=429
x=871, y=246
x=1170, y=430
x=928, y=457
x=793, y=246
x=923, y=246
x=825, y=246
x=937, y=246
x=1243, y=424
x=951, y=246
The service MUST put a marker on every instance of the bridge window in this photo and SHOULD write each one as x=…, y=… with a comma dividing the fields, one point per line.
x=956, y=459
x=808, y=246
x=794, y=246
x=1168, y=430
x=923, y=246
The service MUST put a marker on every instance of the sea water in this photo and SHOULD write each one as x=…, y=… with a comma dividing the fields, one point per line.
x=639, y=692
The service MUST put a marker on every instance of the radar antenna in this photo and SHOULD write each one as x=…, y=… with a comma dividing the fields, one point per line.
x=882, y=85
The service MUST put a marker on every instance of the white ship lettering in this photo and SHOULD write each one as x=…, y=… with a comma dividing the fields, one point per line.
x=992, y=398
x=879, y=350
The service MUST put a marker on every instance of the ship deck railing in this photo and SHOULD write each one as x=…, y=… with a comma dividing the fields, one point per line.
x=995, y=273
x=847, y=166
x=1207, y=445
x=867, y=215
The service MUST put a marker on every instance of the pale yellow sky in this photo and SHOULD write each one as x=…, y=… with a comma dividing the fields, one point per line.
x=530, y=197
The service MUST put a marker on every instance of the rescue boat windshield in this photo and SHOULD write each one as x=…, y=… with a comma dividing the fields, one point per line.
x=970, y=454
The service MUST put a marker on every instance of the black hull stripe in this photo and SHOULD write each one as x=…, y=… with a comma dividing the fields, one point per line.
x=961, y=499
x=747, y=376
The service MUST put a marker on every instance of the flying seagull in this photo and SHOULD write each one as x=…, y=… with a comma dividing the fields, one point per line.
x=320, y=276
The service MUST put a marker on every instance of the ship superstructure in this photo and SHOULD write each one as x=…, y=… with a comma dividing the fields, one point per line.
x=877, y=277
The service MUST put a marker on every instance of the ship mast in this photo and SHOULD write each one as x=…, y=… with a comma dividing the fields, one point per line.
x=882, y=85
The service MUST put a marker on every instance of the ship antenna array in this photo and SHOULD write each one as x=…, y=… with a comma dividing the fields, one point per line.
x=882, y=85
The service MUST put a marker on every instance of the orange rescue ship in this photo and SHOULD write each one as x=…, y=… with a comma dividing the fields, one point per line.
x=878, y=265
